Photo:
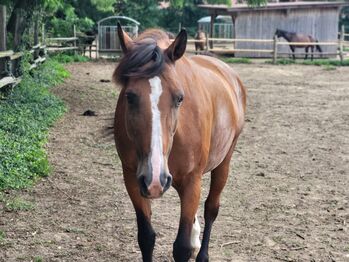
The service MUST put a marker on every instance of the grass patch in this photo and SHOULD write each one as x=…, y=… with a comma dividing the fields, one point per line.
x=326, y=62
x=18, y=204
x=64, y=58
x=237, y=60
x=282, y=61
x=27, y=112
x=329, y=63
x=2, y=236
x=38, y=259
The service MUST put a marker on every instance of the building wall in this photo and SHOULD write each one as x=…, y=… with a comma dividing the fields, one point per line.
x=321, y=23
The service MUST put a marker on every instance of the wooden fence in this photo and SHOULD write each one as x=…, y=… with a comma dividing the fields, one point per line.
x=10, y=64
x=275, y=42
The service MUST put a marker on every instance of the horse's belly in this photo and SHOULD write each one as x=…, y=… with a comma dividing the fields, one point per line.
x=222, y=138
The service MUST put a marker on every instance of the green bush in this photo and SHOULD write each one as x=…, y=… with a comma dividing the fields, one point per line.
x=66, y=58
x=26, y=113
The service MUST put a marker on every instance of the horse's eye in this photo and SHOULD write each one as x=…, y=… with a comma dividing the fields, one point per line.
x=132, y=98
x=179, y=100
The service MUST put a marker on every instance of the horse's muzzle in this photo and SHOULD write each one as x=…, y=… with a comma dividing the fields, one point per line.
x=149, y=189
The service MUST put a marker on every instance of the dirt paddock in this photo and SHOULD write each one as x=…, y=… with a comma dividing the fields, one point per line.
x=287, y=198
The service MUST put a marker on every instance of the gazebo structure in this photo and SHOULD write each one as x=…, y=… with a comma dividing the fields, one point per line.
x=108, y=42
x=222, y=26
x=319, y=19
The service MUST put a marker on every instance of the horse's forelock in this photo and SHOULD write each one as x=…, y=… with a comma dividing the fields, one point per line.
x=144, y=60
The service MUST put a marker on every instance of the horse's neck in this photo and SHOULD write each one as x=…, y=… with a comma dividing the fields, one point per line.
x=287, y=36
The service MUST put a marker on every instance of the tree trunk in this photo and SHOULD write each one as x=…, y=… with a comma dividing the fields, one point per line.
x=19, y=20
x=2, y=28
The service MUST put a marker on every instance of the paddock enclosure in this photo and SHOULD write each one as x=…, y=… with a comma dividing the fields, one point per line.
x=286, y=198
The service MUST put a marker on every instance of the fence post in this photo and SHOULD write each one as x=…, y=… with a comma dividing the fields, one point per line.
x=206, y=39
x=43, y=41
x=75, y=40
x=275, y=52
x=341, y=40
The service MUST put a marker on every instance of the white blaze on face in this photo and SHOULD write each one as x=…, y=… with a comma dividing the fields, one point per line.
x=156, y=134
x=195, y=235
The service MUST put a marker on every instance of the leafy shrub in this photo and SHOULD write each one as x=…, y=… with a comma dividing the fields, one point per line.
x=65, y=58
x=26, y=113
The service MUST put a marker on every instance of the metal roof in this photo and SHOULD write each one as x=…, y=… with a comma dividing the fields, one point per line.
x=224, y=9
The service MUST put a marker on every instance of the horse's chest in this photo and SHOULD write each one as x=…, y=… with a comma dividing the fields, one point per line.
x=221, y=138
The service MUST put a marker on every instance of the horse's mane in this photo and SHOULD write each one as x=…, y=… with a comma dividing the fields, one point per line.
x=144, y=59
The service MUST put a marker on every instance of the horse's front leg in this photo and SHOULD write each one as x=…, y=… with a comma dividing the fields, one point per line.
x=146, y=234
x=306, y=53
x=293, y=54
x=185, y=244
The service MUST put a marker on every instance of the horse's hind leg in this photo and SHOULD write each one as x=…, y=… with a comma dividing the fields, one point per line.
x=146, y=234
x=312, y=53
x=218, y=180
x=189, y=192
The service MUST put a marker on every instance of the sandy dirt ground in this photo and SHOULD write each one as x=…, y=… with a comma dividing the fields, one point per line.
x=287, y=198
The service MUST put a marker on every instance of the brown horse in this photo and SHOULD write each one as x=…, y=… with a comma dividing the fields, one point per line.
x=200, y=35
x=294, y=37
x=176, y=119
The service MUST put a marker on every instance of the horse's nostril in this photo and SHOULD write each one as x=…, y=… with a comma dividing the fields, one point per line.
x=168, y=183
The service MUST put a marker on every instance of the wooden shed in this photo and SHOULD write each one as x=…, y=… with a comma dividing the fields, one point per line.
x=319, y=19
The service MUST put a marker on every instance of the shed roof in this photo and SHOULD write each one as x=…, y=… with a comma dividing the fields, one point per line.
x=224, y=9
x=207, y=19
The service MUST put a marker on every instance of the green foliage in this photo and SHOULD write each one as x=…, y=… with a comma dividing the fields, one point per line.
x=2, y=236
x=233, y=60
x=38, y=259
x=62, y=25
x=26, y=114
x=283, y=61
x=64, y=58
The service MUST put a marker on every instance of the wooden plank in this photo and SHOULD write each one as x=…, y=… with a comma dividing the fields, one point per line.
x=65, y=39
x=16, y=56
x=6, y=53
x=7, y=81
x=307, y=43
x=53, y=49
x=242, y=40
x=231, y=51
x=309, y=54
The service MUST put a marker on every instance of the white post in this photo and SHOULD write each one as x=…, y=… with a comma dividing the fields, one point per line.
x=75, y=40
x=275, y=47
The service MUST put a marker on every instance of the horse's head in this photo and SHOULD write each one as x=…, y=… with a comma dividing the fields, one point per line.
x=278, y=33
x=152, y=97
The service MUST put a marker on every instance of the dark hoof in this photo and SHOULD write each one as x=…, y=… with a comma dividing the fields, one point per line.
x=181, y=254
x=202, y=258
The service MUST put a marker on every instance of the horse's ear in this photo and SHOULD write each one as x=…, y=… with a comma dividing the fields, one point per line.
x=125, y=40
x=177, y=49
